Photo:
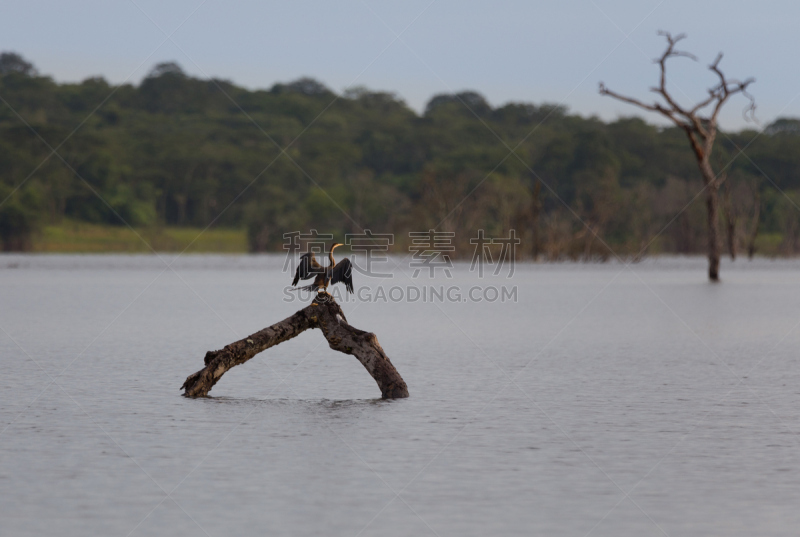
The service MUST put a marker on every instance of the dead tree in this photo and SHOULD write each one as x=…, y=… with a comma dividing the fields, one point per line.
x=323, y=313
x=536, y=210
x=752, y=233
x=731, y=214
x=700, y=129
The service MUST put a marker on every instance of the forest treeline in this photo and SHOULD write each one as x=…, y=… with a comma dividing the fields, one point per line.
x=181, y=151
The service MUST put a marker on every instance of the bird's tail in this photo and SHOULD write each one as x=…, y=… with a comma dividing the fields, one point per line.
x=311, y=287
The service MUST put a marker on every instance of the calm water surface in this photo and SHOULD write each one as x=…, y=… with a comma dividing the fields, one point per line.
x=606, y=401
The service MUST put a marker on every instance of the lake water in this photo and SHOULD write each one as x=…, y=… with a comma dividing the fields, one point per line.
x=607, y=401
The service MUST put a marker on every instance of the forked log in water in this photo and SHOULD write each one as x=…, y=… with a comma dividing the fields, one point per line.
x=323, y=313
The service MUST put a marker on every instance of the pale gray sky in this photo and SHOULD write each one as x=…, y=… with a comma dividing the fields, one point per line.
x=508, y=50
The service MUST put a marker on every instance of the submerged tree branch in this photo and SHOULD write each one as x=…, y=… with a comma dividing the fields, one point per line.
x=323, y=313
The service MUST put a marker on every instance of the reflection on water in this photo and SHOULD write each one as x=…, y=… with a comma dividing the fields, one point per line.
x=535, y=417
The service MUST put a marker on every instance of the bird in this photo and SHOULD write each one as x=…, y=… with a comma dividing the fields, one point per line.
x=323, y=276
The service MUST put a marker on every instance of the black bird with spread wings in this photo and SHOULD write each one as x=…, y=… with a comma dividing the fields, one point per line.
x=323, y=276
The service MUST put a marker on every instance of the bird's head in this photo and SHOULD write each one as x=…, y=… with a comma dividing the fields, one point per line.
x=336, y=245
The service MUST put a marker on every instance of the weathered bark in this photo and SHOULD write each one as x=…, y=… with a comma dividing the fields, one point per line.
x=323, y=313
x=731, y=220
x=730, y=230
x=712, y=206
x=751, y=241
x=536, y=209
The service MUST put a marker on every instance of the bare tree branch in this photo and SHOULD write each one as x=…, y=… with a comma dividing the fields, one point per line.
x=662, y=62
x=727, y=88
x=655, y=107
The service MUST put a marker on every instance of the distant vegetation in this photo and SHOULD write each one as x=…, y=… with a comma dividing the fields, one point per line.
x=182, y=152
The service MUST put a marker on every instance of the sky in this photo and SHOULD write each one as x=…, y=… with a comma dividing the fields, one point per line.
x=507, y=50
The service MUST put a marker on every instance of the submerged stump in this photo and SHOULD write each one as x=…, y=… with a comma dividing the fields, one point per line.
x=323, y=313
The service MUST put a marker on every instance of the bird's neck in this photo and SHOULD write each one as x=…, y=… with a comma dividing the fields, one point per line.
x=330, y=258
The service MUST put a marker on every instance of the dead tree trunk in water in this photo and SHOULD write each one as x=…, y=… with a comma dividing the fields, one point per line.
x=536, y=209
x=323, y=313
x=753, y=234
x=701, y=131
x=731, y=220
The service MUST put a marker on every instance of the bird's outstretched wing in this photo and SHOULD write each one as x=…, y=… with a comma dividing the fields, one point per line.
x=307, y=268
x=343, y=272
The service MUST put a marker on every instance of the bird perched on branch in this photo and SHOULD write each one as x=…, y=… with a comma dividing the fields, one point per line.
x=323, y=276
